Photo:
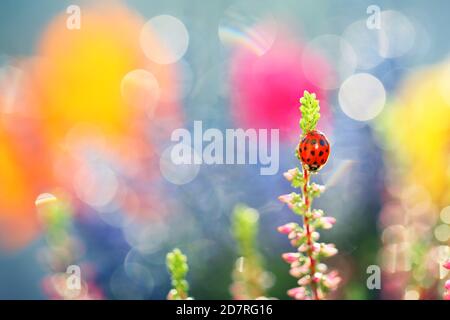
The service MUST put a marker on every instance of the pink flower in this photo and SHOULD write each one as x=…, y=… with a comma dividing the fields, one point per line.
x=290, y=174
x=331, y=280
x=282, y=69
x=447, y=285
x=317, y=277
x=285, y=198
x=298, y=293
x=327, y=222
x=316, y=247
x=296, y=272
x=447, y=264
x=447, y=295
x=315, y=236
x=316, y=214
x=329, y=250
x=303, y=248
x=287, y=228
x=290, y=257
x=304, y=280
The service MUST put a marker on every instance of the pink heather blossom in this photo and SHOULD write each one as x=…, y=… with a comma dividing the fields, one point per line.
x=447, y=264
x=316, y=187
x=298, y=293
x=293, y=235
x=290, y=257
x=290, y=174
x=304, y=280
x=285, y=198
x=321, y=267
x=296, y=272
x=329, y=250
x=447, y=285
x=315, y=236
x=287, y=228
x=447, y=295
x=303, y=248
x=317, y=276
x=331, y=280
x=327, y=222
x=316, y=247
x=316, y=214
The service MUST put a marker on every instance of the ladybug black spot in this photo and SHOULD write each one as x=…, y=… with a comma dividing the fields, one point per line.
x=313, y=153
x=315, y=163
x=304, y=148
x=320, y=153
x=322, y=142
x=308, y=160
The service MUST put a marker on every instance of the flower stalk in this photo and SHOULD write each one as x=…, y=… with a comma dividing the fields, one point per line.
x=177, y=265
x=250, y=280
x=313, y=280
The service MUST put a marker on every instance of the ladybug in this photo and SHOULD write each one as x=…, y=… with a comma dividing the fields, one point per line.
x=314, y=150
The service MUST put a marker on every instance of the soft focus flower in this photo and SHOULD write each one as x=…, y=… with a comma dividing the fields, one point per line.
x=290, y=257
x=328, y=250
x=332, y=280
x=447, y=285
x=327, y=222
x=265, y=90
x=290, y=174
x=287, y=228
x=298, y=293
x=447, y=264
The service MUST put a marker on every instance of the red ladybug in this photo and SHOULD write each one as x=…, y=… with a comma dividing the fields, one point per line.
x=314, y=150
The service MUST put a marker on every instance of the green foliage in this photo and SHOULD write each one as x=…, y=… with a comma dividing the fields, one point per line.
x=245, y=225
x=310, y=112
x=177, y=265
x=249, y=276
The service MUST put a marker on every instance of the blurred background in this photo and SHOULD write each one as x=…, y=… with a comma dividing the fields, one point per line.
x=90, y=92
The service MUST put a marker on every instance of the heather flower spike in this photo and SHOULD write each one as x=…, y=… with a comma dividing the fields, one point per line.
x=249, y=276
x=177, y=265
x=446, y=296
x=313, y=280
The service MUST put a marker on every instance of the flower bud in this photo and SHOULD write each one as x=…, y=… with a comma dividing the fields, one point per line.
x=447, y=264
x=290, y=257
x=290, y=174
x=327, y=222
x=447, y=285
x=298, y=293
x=287, y=228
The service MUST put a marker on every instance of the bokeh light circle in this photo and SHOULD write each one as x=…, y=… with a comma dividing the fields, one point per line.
x=442, y=232
x=362, y=97
x=182, y=83
x=140, y=89
x=397, y=34
x=179, y=169
x=445, y=215
x=246, y=25
x=365, y=43
x=171, y=33
x=338, y=52
x=96, y=186
x=45, y=198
